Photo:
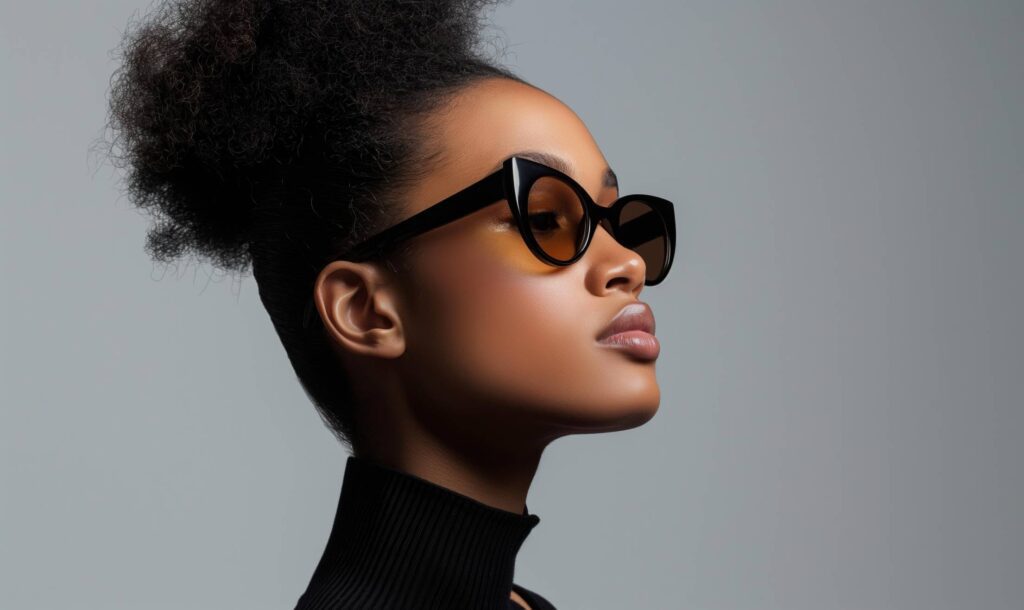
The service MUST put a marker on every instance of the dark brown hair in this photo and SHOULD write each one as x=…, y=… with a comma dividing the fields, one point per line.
x=269, y=133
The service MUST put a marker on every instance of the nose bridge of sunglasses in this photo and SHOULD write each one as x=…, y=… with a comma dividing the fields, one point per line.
x=602, y=214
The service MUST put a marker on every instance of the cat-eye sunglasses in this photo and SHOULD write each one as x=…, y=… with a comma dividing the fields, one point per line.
x=555, y=216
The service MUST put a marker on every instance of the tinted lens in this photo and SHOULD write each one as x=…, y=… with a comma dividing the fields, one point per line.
x=555, y=217
x=642, y=229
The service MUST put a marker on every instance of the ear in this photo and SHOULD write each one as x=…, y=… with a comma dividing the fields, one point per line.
x=358, y=303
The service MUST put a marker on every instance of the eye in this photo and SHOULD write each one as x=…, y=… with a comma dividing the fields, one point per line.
x=541, y=222
x=544, y=222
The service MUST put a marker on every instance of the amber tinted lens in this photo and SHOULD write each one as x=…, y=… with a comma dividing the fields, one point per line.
x=642, y=229
x=556, y=217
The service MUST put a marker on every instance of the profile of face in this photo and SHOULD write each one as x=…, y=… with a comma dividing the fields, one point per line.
x=479, y=343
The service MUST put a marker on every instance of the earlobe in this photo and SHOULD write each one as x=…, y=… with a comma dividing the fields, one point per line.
x=358, y=307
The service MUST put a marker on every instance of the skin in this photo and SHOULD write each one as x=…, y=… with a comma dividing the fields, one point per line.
x=468, y=365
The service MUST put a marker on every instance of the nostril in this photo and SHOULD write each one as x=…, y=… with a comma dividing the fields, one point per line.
x=619, y=280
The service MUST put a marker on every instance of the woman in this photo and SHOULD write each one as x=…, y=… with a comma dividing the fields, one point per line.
x=442, y=250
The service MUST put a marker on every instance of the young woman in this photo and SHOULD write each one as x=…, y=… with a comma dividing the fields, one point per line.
x=442, y=250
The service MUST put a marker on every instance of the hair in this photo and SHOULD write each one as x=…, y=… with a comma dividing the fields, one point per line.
x=268, y=134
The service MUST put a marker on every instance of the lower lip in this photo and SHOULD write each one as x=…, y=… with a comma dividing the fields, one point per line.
x=634, y=342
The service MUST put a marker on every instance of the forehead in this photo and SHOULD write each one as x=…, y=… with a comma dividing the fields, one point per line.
x=493, y=119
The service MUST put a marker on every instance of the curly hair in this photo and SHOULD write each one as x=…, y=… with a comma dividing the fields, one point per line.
x=270, y=133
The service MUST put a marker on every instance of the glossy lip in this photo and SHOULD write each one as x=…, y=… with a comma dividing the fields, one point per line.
x=634, y=316
x=632, y=330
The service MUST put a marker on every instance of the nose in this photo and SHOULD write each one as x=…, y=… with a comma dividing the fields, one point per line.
x=613, y=266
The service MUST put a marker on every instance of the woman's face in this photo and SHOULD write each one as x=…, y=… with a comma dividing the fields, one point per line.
x=496, y=342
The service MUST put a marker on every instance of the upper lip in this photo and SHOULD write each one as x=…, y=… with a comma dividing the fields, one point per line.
x=634, y=316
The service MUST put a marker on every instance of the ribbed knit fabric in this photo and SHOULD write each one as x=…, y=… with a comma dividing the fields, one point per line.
x=400, y=542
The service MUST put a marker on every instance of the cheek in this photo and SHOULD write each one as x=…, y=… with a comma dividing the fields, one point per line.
x=521, y=334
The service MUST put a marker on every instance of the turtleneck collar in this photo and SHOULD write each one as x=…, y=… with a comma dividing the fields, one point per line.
x=400, y=541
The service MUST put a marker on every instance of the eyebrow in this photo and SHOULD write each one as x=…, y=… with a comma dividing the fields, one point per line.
x=609, y=179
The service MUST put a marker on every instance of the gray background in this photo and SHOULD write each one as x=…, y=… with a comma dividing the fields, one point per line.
x=841, y=368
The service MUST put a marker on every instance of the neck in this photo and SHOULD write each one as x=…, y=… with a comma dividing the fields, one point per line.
x=399, y=540
x=494, y=463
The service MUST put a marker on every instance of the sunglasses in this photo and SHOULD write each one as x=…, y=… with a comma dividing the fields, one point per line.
x=555, y=216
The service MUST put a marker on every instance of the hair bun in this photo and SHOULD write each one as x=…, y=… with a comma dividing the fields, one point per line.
x=196, y=117
x=215, y=97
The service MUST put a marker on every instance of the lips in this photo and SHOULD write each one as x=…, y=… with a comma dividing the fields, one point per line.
x=635, y=316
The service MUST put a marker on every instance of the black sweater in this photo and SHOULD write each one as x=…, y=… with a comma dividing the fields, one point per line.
x=400, y=542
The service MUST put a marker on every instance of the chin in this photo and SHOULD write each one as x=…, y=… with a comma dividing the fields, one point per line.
x=607, y=410
x=639, y=415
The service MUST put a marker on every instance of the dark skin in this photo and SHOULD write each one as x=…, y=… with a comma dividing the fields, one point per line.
x=468, y=365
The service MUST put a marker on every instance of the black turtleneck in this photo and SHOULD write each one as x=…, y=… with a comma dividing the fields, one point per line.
x=400, y=542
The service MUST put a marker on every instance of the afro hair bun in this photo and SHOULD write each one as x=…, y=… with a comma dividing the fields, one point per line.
x=215, y=100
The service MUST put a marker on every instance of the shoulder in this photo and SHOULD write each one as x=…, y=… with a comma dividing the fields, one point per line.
x=536, y=601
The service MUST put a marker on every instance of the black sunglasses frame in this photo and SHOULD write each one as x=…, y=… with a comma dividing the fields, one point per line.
x=516, y=176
